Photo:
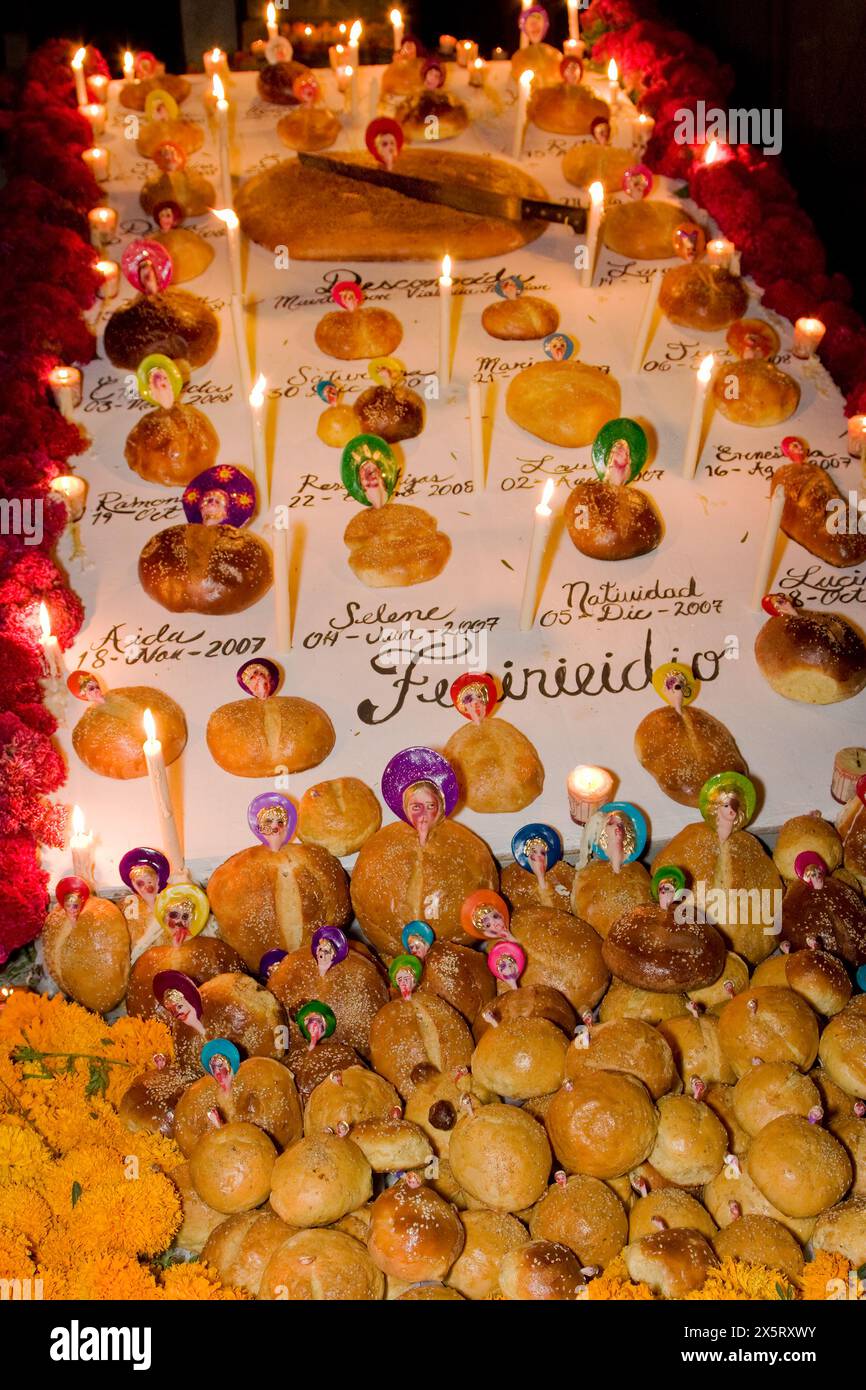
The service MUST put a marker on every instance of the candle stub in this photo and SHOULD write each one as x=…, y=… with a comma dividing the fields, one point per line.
x=588, y=788
x=849, y=767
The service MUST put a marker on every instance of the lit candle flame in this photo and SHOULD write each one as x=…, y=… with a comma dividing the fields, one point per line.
x=44, y=620
x=348, y=70
x=355, y=33
x=340, y=50
x=812, y=325
x=77, y=821
x=396, y=18
x=596, y=193
x=712, y=153
x=612, y=71
x=705, y=370
x=445, y=278
x=479, y=63
x=219, y=90
x=78, y=60
x=149, y=726
x=272, y=14
x=308, y=29
x=228, y=216
x=527, y=78
x=128, y=64
x=543, y=508
x=257, y=395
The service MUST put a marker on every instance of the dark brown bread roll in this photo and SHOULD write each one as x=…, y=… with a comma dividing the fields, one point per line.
x=201, y=957
x=648, y=948
x=702, y=296
x=608, y=522
x=276, y=82
x=205, y=569
x=171, y=447
x=808, y=489
x=817, y=658
x=175, y=322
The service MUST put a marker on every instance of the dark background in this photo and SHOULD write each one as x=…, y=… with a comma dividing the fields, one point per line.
x=802, y=56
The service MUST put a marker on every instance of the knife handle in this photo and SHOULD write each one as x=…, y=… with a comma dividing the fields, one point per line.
x=538, y=210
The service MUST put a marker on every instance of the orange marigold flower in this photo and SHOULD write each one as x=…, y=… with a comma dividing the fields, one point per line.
x=196, y=1281
x=102, y=1277
x=818, y=1281
x=15, y=1255
x=23, y=1210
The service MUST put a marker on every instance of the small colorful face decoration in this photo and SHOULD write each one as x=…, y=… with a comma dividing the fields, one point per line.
x=160, y=106
x=259, y=677
x=147, y=266
x=637, y=181
x=474, y=696
x=618, y=833
x=599, y=129
x=168, y=214
x=369, y=470
x=306, y=89
x=404, y=973
x=811, y=869
x=420, y=787
x=485, y=916
x=85, y=686
x=666, y=883
x=727, y=802
x=316, y=1021
x=689, y=241
x=182, y=911
x=328, y=391
x=169, y=157
x=797, y=450
x=180, y=998
x=558, y=347
x=272, y=819
x=408, y=50
x=145, y=66
x=278, y=50
x=675, y=684
x=269, y=962
x=72, y=893
x=417, y=938
x=348, y=295
x=220, y=496
x=751, y=339
x=384, y=139
x=779, y=606
x=159, y=380
x=537, y=848
x=571, y=71
x=221, y=1058
x=386, y=371
x=433, y=75
x=145, y=871
x=507, y=961
x=619, y=451
x=535, y=23
x=508, y=286
x=329, y=946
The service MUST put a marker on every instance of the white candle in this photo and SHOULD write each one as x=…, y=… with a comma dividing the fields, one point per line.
x=857, y=437
x=222, y=110
x=355, y=33
x=241, y=352
x=271, y=20
x=216, y=64
x=228, y=217
x=55, y=666
x=65, y=383
x=476, y=436
x=128, y=66
x=467, y=53
x=524, y=87
x=110, y=279
x=77, y=66
x=720, y=252
x=103, y=226
x=281, y=583
x=573, y=19
x=81, y=845
x=373, y=98
x=344, y=77
x=537, y=547
x=588, y=788
x=397, y=22
x=572, y=48
x=807, y=337
x=643, y=129
x=645, y=330
x=156, y=771
x=353, y=95
x=445, y=286
x=96, y=159
x=612, y=84
x=696, y=424
x=98, y=88
x=260, y=460
x=593, y=226
x=768, y=546
x=73, y=491
x=335, y=55
x=95, y=113
x=477, y=72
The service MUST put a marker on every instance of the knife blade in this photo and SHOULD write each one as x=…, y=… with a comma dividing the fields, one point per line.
x=481, y=202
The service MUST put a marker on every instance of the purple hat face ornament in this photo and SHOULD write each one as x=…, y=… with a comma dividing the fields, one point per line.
x=420, y=787
x=179, y=996
x=272, y=819
x=259, y=677
x=810, y=868
x=146, y=872
x=329, y=946
x=220, y=496
x=269, y=962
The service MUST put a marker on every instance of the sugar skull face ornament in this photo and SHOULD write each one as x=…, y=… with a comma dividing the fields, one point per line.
x=182, y=910
x=420, y=787
x=272, y=818
x=727, y=802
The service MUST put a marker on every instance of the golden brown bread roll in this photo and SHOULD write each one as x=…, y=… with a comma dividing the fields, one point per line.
x=449, y=113
x=149, y=1103
x=566, y=109
x=186, y=134
x=589, y=162
x=648, y=948
x=852, y=828
x=414, y=1234
x=133, y=95
x=843, y=1050
x=261, y=738
x=397, y=880
x=392, y=1145
x=627, y=1045
x=308, y=128
x=500, y=1156
x=771, y=1025
x=755, y=392
x=733, y=980
x=521, y=319
x=241, y=1246
x=199, y=1220
x=195, y=194
x=174, y=322
x=760, y=1240
x=311, y=1068
x=563, y=403
x=764, y=1093
x=108, y=737
x=540, y=1270
x=542, y=60
x=338, y=815
x=602, y=1123
x=436, y=1102
x=89, y=957
x=205, y=569
x=520, y=1058
x=601, y=898
x=349, y=1097
x=337, y=425
x=429, y=1293
x=584, y=1214
x=802, y=833
x=200, y=957
x=690, y=1141
x=266, y=900
x=729, y=1200
x=402, y=75
x=563, y=952
x=669, y=1208
x=683, y=750
x=530, y=1001
x=673, y=1262
x=851, y=1133
x=697, y=1048
x=235, y=1007
x=316, y=1266
x=262, y=1093
x=842, y=1230
x=497, y=767
x=808, y=491
x=642, y=230
x=190, y=257
x=319, y=1179
x=363, y=332
x=624, y=1001
x=408, y=1032
x=321, y=216
x=703, y=297
x=489, y=1236
x=608, y=522
x=520, y=887
x=231, y=1167
x=816, y=658
x=171, y=447
x=355, y=988
x=821, y=979
x=397, y=545
x=798, y=1166
x=460, y=976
